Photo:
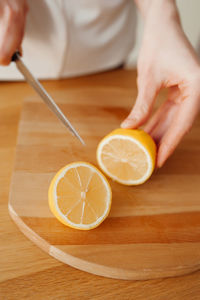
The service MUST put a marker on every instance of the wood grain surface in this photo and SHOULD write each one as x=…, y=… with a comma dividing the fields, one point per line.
x=153, y=230
x=29, y=273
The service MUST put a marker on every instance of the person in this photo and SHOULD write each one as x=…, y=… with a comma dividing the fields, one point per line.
x=166, y=60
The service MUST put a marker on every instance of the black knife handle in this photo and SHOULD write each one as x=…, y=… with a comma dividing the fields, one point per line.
x=15, y=56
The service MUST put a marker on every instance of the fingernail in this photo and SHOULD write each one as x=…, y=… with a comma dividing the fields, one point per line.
x=129, y=123
x=159, y=164
x=161, y=159
x=125, y=124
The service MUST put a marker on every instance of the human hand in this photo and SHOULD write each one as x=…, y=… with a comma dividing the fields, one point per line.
x=166, y=60
x=12, y=24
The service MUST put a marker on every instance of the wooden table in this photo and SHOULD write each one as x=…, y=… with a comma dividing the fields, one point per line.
x=26, y=272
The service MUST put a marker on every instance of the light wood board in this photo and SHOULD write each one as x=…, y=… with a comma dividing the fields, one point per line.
x=153, y=230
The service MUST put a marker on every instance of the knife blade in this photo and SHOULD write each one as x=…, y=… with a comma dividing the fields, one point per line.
x=44, y=95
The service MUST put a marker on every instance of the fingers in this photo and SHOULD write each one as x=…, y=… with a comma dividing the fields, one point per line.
x=162, y=118
x=181, y=124
x=11, y=30
x=147, y=91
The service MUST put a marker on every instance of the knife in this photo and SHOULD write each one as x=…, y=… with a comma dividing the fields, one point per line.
x=44, y=95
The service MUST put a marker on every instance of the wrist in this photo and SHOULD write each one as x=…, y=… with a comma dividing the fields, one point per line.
x=158, y=9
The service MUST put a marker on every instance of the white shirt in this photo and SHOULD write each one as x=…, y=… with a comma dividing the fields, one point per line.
x=66, y=38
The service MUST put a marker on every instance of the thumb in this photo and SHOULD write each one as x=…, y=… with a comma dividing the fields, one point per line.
x=143, y=106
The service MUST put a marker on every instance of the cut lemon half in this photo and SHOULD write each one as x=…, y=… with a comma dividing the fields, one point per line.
x=127, y=156
x=80, y=196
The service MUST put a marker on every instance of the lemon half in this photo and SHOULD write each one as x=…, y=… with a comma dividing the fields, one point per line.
x=80, y=196
x=127, y=156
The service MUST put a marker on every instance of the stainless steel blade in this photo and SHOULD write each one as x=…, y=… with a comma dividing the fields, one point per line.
x=44, y=95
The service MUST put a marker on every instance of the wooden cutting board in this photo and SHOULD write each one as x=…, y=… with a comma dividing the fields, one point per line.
x=153, y=230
